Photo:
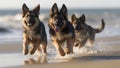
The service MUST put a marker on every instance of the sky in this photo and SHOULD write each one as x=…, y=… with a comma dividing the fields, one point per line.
x=17, y=4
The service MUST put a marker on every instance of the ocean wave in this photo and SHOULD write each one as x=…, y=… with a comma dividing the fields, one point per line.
x=14, y=21
x=18, y=17
x=10, y=18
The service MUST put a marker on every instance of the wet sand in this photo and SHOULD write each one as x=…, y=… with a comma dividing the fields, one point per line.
x=80, y=64
x=11, y=57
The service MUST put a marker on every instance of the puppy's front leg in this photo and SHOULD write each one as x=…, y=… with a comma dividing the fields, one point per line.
x=35, y=45
x=25, y=46
x=44, y=48
x=69, y=47
x=58, y=48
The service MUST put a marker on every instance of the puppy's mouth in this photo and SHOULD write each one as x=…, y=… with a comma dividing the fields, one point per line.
x=57, y=29
x=28, y=24
x=76, y=31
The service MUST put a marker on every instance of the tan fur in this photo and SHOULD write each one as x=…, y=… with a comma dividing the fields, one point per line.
x=69, y=47
x=25, y=44
x=58, y=48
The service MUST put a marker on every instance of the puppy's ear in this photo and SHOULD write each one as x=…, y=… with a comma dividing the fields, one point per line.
x=25, y=9
x=36, y=10
x=73, y=18
x=82, y=18
x=64, y=10
x=54, y=10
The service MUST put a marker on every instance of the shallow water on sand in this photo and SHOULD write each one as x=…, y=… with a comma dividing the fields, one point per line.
x=17, y=59
x=10, y=59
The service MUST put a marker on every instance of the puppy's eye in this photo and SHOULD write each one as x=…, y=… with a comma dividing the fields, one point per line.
x=27, y=15
x=55, y=17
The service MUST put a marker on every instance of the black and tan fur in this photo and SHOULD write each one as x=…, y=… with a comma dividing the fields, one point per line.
x=61, y=30
x=33, y=31
x=84, y=33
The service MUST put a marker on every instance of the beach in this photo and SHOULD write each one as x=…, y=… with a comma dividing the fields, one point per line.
x=87, y=64
x=12, y=57
x=105, y=52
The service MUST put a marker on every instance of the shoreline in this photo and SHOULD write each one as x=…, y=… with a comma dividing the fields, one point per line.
x=11, y=51
x=99, y=61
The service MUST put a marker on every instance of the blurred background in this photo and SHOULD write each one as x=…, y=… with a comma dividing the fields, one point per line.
x=94, y=10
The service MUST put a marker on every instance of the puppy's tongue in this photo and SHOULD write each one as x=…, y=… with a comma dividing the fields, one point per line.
x=57, y=29
x=76, y=31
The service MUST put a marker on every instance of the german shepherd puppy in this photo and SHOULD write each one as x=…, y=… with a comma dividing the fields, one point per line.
x=61, y=30
x=33, y=30
x=84, y=33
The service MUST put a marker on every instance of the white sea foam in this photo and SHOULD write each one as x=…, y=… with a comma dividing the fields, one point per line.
x=14, y=21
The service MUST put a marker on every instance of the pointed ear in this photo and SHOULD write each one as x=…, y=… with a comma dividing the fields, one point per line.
x=54, y=10
x=82, y=18
x=36, y=10
x=25, y=9
x=64, y=10
x=73, y=18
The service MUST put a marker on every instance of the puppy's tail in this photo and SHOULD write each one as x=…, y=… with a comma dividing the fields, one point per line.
x=98, y=30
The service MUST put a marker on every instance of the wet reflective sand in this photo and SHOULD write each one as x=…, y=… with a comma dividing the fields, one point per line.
x=104, y=50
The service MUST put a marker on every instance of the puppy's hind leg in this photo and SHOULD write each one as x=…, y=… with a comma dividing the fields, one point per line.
x=91, y=40
x=82, y=43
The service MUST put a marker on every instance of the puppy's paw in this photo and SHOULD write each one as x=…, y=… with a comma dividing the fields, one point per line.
x=25, y=51
x=67, y=51
x=32, y=52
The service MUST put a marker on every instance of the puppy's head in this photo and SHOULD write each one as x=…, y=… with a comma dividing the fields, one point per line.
x=78, y=23
x=58, y=18
x=30, y=17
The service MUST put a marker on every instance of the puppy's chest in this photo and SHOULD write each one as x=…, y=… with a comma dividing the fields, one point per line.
x=81, y=35
x=60, y=36
x=31, y=34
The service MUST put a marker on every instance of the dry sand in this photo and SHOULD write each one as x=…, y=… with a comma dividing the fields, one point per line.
x=101, y=60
